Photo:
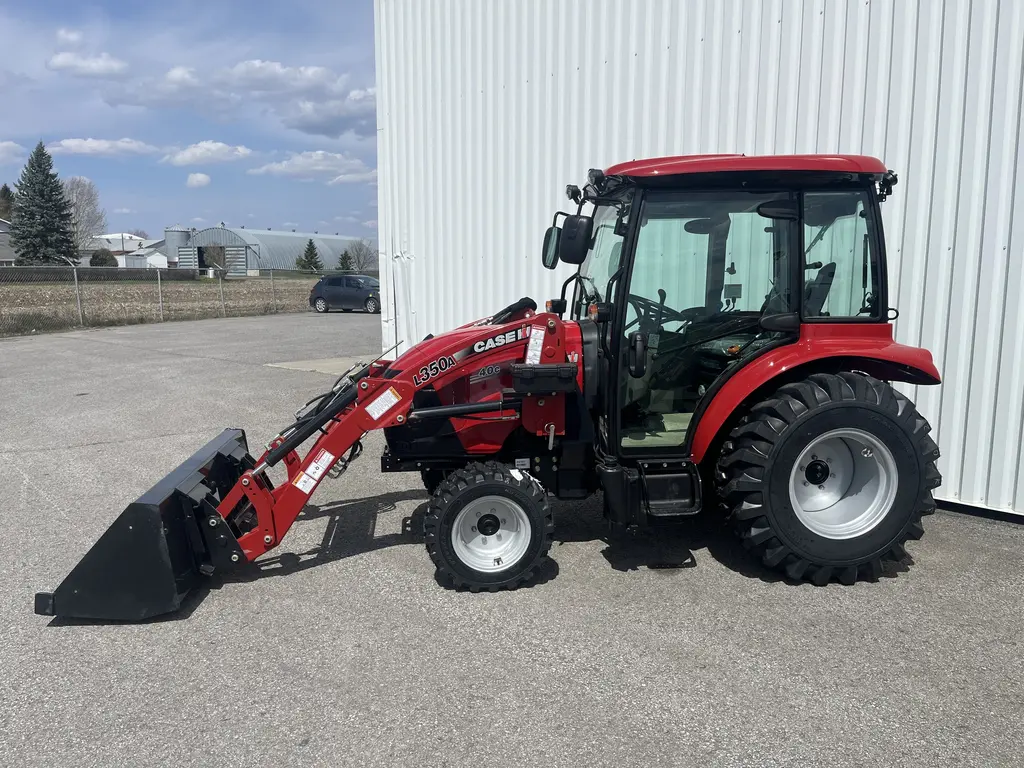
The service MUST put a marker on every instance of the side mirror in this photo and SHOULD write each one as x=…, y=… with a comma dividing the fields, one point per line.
x=574, y=241
x=550, y=254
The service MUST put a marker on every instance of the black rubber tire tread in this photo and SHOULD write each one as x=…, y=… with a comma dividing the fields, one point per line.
x=432, y=479
x=746, y=457
x=472, y=477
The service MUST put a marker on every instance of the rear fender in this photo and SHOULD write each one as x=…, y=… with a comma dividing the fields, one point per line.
x=821, y=347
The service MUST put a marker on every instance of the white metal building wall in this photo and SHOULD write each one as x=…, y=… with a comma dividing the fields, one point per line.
x=486, y=109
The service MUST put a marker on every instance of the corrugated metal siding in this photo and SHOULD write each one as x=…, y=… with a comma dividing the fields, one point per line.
x=486, y=109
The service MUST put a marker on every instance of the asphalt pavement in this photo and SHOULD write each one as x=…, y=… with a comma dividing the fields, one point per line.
x=344, y=650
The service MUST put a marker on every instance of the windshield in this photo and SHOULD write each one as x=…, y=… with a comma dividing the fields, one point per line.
x=602, y=261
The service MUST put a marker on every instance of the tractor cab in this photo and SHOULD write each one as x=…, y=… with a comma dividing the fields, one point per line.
x=693, y=268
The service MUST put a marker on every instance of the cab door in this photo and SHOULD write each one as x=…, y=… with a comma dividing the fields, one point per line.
x=705, y=265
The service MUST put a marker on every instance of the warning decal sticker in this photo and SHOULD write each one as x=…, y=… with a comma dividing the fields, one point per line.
x=323, y=461
x=304, y=483
x=534, y=348
x=383, y=403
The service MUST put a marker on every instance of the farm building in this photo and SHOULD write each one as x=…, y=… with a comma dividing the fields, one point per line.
x=6, y=252
x=247, y=249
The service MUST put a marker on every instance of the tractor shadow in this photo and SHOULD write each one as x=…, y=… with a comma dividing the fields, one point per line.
x=350, y=531
x=673, y=547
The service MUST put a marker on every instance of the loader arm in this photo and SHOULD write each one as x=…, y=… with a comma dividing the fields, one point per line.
x=381, y=396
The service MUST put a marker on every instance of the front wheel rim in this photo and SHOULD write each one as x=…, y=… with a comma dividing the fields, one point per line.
x=371, y=306
x=491, y=534
x=321, y=305
x=843, y=484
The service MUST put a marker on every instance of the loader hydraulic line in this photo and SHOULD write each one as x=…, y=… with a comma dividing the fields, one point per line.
x=308, y=428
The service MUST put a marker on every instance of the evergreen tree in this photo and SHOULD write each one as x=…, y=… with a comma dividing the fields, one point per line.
x=310, y=259
x=345, y=262
x=102, y=258
x=41, y=218
x=6, y=203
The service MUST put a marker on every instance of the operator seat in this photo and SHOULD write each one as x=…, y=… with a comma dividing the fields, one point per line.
x=816, y=292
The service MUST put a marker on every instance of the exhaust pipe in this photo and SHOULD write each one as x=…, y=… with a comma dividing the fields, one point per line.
x=162, y=545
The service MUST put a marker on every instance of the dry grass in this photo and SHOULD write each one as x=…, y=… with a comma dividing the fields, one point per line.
x=41, y=307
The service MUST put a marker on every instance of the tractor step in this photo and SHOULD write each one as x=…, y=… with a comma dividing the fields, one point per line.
x=670, y=489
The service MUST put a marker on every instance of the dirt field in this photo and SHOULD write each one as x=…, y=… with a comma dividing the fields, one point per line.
x=41, y=307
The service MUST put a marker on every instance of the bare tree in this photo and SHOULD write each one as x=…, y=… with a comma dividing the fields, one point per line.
x=141, y=233
x=364, y=255
x=88, y=219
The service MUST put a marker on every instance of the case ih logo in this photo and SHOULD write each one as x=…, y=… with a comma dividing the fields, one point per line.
x=509, y=337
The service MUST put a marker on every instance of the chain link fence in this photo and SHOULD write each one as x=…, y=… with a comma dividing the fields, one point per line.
x=47, y=299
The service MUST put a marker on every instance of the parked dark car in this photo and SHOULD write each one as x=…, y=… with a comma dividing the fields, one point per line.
x=346, y=292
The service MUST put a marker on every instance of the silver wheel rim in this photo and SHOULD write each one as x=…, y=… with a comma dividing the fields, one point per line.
x=321, y=305
x=843, y=484
x=371, y=306
x=491, y=534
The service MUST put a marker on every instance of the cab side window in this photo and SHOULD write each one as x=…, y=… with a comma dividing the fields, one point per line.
x=840, y=262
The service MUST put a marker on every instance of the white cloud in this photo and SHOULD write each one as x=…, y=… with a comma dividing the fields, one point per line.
x=198, y=220
x=356, y=111
x=69, y=36
x=373, y=203
x=123, y=210
x=289, y=224
x=352, y=178
x=274, y=77
x=103, y=65
x=181, y=76
x=315, y=164
x=250, y=216
x=11, y=152
x=196, y=180
x=207, y=152
x=101, y=147
x=313, y=100
x=371, y=224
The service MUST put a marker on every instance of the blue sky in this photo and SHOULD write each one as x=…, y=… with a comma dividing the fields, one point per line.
x=253, y=113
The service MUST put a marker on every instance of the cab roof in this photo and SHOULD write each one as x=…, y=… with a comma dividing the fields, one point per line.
x=682, y=164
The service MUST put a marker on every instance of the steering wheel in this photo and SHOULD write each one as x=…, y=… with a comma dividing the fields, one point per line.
x=655, y=314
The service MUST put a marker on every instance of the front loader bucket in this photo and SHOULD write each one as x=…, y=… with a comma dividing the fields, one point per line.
x=161, y=546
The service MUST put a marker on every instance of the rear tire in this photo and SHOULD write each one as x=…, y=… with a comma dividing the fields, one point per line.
x=372, y=306
x=505, y=554
x=320, y=305
x=830, y=477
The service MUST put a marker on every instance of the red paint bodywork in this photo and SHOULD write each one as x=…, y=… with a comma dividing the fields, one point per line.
x=682, y=164
x=817, y=342
x=277, y=508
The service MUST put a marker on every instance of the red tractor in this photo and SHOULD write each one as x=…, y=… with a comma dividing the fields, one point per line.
x=723, y=341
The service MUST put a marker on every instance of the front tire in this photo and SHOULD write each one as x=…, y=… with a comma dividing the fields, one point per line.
x=320, y=305
x=372, y=306
x=830, y=477
x=432, y=479
x=488, y=527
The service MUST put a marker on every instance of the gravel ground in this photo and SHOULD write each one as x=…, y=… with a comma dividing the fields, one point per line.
x=345, y=651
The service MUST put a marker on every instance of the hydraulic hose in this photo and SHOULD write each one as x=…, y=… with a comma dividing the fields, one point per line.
x=313, y=424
